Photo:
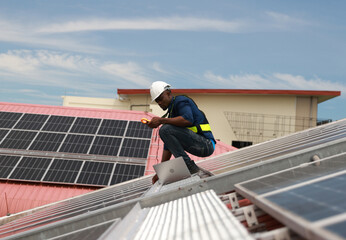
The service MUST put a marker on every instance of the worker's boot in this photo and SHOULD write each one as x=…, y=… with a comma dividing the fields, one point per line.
x=193, y=168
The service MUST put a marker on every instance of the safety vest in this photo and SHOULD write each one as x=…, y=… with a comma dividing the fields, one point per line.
x=200, y=128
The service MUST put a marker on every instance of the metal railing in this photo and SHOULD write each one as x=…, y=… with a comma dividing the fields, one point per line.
x=256, y=128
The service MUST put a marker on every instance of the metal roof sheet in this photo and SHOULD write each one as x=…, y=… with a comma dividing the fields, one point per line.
x=199, y=216
x=18, y=197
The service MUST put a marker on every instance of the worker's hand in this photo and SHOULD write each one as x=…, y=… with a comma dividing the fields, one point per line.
x=155, y=178
x=154, y=122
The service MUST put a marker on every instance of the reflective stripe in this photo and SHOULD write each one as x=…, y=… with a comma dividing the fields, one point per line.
x=204, y=127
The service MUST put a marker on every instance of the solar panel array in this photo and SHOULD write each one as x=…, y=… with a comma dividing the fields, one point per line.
x=313, y=195
x=74, y=135
x=55, y=170
x=54, y=136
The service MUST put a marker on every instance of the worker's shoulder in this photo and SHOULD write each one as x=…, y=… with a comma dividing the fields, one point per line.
x=182, y=98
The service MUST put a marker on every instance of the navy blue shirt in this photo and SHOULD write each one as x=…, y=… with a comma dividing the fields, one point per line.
x=185, y=107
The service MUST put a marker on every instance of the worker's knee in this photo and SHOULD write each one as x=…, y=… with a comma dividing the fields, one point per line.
x=164, y=129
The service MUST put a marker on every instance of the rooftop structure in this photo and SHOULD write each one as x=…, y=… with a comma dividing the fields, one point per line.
x=292, y=187
x=50, y=153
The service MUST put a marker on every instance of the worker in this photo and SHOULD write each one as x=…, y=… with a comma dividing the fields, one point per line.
x=186, y=128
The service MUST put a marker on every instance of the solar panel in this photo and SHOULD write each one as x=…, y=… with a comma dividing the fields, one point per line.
x=314, y=201
x=76, y=143
x=58, y=124
x=125, y=172
x=63, y=170
x=31, y=168
x=85, y=125
x=106, y=146
x=8, y=119
x=293, y=176
x=112, y=127
x=18, y=139
x=64, y=134
x=95, y=173
x=47, y=141
x=3, y=133
x=135, y=148
x=138, y=130
x=309, y=198
x=338, y=228
x=31, y=121
x=7, y=164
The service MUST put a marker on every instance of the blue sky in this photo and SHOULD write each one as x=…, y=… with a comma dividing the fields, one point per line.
x=91, y=48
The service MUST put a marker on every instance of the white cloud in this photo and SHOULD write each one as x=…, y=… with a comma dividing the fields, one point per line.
x=262, y=22
x=29, y=62
x=284, y=21
x=25, y=33
x=170, y=23
x=157, y=67
x=18, y=61
x=272, y=81
x=52, y=35
x=71, y=71
x=128, y=71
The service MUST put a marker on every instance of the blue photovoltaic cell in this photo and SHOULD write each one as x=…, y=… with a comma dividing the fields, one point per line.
x=294, y=176
x=3, y=133
x=314, y=201
x=58, y=124
x=31, y=121
x=76, y=143
x=135, y=148
x=18, y=139
x=338, y=228
x=7, y=163
x=112, y=127
x=138, y=130
x=8, y=119
x=106, y=146
x=85, y=125
x=31, y=168
x=63, y=170
x=47, y=141
x=95, y=173
x=125, y=172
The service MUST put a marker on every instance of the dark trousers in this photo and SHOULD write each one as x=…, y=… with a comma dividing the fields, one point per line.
x=180, y=139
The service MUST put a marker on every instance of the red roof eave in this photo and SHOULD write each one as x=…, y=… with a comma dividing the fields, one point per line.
x=238, y=91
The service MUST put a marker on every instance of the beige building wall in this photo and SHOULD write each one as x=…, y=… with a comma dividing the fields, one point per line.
x=306, y=112
x=249, y=118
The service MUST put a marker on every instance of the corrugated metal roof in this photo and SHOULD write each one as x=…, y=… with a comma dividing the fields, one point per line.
x=18, y=197
x=100, y=207
x=275, y=148
x=199, y=216
x=74, y=111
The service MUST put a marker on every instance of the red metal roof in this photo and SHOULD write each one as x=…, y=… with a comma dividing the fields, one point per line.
x=16, y=197
x=238, y=91
x=322, y=95
x=74, y=111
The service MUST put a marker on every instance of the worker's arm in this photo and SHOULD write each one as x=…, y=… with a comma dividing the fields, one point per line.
x=166, y=155
x=176, y=121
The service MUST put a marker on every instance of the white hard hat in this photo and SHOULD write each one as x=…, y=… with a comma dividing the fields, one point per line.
x=157, y=88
